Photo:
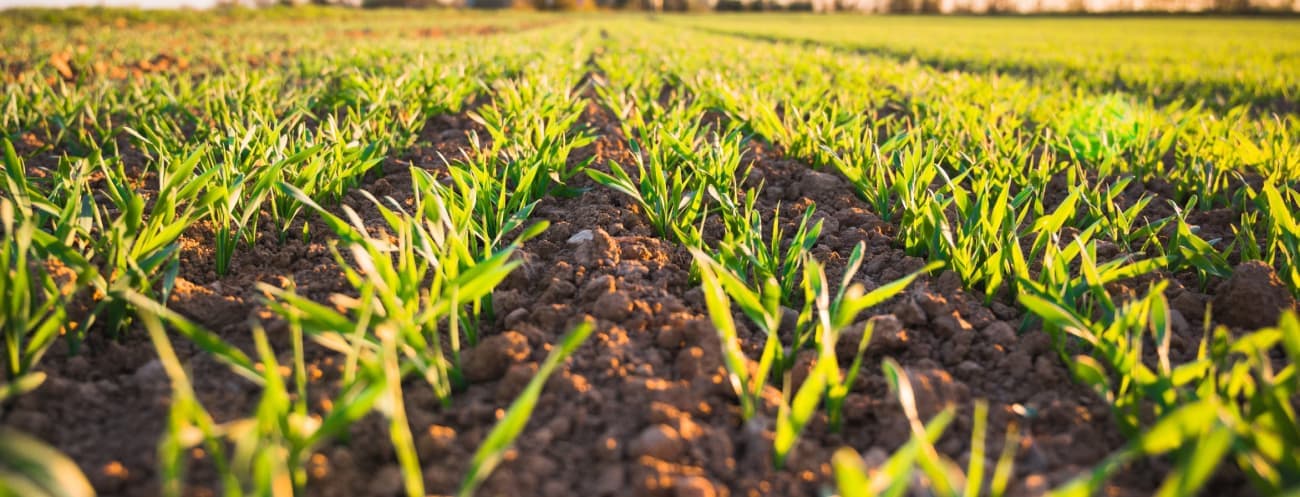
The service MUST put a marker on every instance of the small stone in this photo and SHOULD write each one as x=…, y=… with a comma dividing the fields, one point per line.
x=660, y=442
x=694, y=486
x=435, y=440
x=950, y=325
x=1000, y=333
x=490, y=359
x=1189, y=304
x=580, y=237
x=934, y=305
x=815, y=182
x=613, y=306
x=596, y=288
x=909, y=312
x=1003, y=311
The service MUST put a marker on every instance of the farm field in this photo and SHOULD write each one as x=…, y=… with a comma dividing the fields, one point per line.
x=378, y=253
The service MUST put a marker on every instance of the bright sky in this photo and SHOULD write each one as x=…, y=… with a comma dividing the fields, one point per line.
x=149, y=4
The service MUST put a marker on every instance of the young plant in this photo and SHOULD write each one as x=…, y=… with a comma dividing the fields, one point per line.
x=30, y=468
x=945, y=478
x=531, y=120
x=744, y=251
x=34, y=311
x=762, y=307
x=503, y=434
x=1227, y=401
x=136, y=249
x=265, y=454
x=247, y=172
x=836, y=313
x=496, y=192
x=677, y=172
x=721, y=286
x=426, y=280
x=672, y=198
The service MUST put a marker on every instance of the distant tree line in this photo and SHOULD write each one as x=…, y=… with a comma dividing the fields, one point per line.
x=872, y=6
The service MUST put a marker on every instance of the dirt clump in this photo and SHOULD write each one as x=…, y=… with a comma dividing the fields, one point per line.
x=1254, y=297
x=491, y=358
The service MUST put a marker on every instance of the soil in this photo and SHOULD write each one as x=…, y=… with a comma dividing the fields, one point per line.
x=644, y=407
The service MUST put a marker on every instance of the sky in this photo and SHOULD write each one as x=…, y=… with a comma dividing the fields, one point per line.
x=151, y=4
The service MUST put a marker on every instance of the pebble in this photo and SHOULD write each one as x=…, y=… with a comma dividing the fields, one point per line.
x=817, y=182
x=887, y=335
x=950, y=325
x=490, y=359
x=613, y=306
x=596, y=288
x=436, y=439
x=1003, y=311
x=660, y=442
x=909, y=312
x=1000, y=333
x=694, y=486
x=580, y=237
x=934, y=305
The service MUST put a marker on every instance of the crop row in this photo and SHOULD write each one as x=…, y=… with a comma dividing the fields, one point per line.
x=965, y=165
x=1224, y=62
x=1029, y=192
x=141, y=165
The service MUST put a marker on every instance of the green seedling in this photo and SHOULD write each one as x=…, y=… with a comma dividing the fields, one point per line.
x=503, y=434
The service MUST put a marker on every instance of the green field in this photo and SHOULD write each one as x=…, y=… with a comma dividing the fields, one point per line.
x=334, y=252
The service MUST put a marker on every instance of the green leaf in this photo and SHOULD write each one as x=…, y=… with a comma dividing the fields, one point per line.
x=1187, y=423
x=850, y=474
x=206, y=340
x=30, y=468
x=792, y=418
x=1196, y=463
x=503, y=435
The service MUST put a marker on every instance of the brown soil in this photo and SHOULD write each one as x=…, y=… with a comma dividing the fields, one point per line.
x=643, y=407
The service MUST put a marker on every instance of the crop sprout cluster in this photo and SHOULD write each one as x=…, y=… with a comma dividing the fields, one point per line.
x=1014, y=172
